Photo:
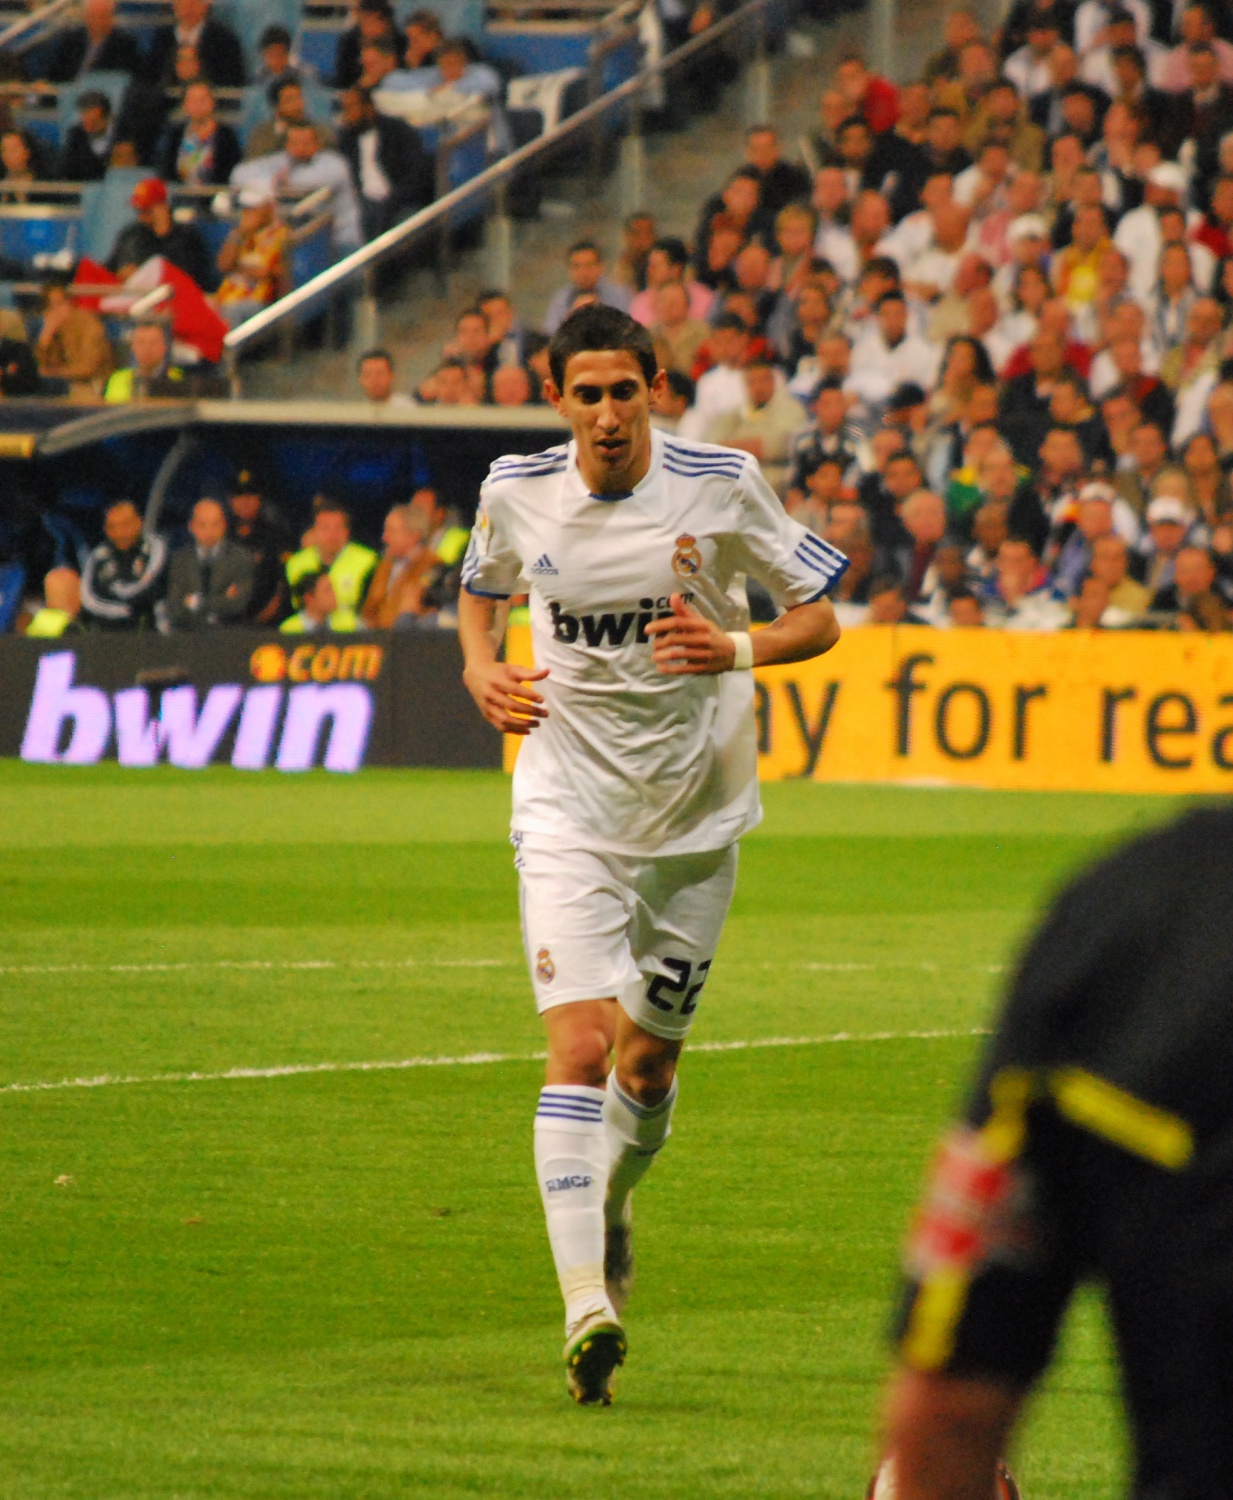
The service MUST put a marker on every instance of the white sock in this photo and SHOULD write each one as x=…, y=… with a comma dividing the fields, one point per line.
x=571, y=1161
x=635, y=1133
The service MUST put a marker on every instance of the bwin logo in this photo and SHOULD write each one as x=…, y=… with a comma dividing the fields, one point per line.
x=563, y=1184
x=542, y=567
x=611, y=629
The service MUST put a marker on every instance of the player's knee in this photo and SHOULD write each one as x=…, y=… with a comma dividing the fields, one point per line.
x=579, y=1055
x=646, y=1068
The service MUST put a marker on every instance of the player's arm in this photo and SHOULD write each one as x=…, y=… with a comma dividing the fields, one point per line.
x=687, y=643
x=499, y=687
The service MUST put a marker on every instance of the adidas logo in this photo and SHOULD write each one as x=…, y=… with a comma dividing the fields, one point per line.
x=543, y=566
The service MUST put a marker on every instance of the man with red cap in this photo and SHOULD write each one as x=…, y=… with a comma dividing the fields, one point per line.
x=155, y=232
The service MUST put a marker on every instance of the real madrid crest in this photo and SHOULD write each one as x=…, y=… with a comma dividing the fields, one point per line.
x=545, y=969
x=686, y=560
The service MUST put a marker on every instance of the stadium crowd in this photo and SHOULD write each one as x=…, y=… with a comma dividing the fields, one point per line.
x=984, y=346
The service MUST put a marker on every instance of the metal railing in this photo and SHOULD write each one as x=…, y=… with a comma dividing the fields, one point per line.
x=358, y=270
x=29, y=30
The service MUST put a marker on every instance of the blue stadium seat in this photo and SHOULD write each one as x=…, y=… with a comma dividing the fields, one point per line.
x=458, y=18
x=249, y=18
x=106, y=208
x=29, y=231
x=12, y=591
x=318, y=47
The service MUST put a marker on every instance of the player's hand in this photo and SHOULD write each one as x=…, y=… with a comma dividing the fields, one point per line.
x=688, y=644
x=500, y=691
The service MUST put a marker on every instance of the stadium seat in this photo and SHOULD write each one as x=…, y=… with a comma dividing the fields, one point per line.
x=27, y=230
x=317, y=45
x=106, y=208
x=249, y=18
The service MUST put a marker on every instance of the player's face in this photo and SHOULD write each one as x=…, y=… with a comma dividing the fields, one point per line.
x=607, y=403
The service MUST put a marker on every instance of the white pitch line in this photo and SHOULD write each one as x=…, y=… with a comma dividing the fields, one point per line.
x=466, y=1060
x=301, y=964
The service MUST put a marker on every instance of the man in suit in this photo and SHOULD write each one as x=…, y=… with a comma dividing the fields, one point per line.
x=392, y=171
x=218, y=49
x=1204, y=113
x=97, y=45
x=211, y=579
x=87, y=145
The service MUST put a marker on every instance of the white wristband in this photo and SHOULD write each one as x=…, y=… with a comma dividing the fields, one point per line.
x=742, y=646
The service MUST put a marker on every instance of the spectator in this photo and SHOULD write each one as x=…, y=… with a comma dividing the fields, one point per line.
x=1169, y=523
x=97, y=45
x=965, y=611
x=1210, y=493
x=668, y=262
x=253, y=259
x=586, y=275
x=378, y=65
x=320, y=611
x=1019, y=596
x=374, y=21
x=87, y=144
x=1125, y=599
x=511, y=386
x=874, y=98
x=201, y=152
x=889, y=356
x=888, y=604
x=258, y=527
x=631, y=265
x=155, y=232
x=23, y=162
x=678, y=338
x=331, y=550
x=671, y=401
x=279, y=63
x=61, y=608
x=453, y=383
x=1200, y=605
x=375, y=368
x=423, y=36
x=389, y=165
x=19, y=374
x=780, y=182
x=721, y=388
x=125, y=574
x=509, y=337
x=220, y=58
x=270, y=136
x=923, y=515
x=151, y=376
x=397, y=587
x=209, y=581
x=302, y=167
x=764, y=425
x=73, y=345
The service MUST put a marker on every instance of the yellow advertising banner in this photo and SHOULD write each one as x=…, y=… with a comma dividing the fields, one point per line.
x=1117, y=711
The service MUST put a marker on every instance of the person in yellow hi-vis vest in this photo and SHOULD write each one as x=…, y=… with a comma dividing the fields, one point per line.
x=331, y=550
x=321, y=610
x=61, y=606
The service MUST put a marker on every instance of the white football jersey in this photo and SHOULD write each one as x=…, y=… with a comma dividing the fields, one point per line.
x=630, y=760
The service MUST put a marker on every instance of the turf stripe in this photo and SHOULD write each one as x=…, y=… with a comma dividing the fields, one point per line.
x=467, y=1060
x=263, y=964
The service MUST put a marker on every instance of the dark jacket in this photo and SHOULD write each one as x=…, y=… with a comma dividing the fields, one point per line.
x=269, y=541
x=181, y=245
x=400, y=155
x=19, y=375
x=118, y=54
x=120, y=589
x=79, y=162
x=226, y=155
x=222, y=59
x=785, y=183
x=347, y=58
x=191, y=605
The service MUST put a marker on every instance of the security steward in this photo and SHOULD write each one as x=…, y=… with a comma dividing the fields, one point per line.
x=331, y=550
x=1098, y=1145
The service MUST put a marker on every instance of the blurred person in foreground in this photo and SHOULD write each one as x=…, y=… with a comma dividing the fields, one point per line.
x=210, y=580
x=1097, y=1145
x=61, y=607
x=73, y=345
x=320, y=610
x=397, y=587
x=329, y=549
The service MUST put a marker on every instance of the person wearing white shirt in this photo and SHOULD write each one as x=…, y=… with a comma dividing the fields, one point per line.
x=722, y=389
x=1028, y=67
x=1098, y=67
x=1092, y=20
x=1138, y=235
x=888, y=356
x=931, y=273
x=302, y=167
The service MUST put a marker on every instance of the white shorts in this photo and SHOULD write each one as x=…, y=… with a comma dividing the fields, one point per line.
x=644, y=930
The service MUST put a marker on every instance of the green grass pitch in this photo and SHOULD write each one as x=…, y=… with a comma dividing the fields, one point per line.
x=336, y=1283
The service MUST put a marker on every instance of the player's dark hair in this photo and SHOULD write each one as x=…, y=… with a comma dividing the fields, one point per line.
x=596, y=327
x=681, y=385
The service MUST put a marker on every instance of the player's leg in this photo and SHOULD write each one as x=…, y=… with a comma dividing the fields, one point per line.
x=575, y=911
x=682, y=905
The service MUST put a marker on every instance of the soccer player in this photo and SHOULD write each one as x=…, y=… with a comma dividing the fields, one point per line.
x=1097, y=1145
x=639, y=769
